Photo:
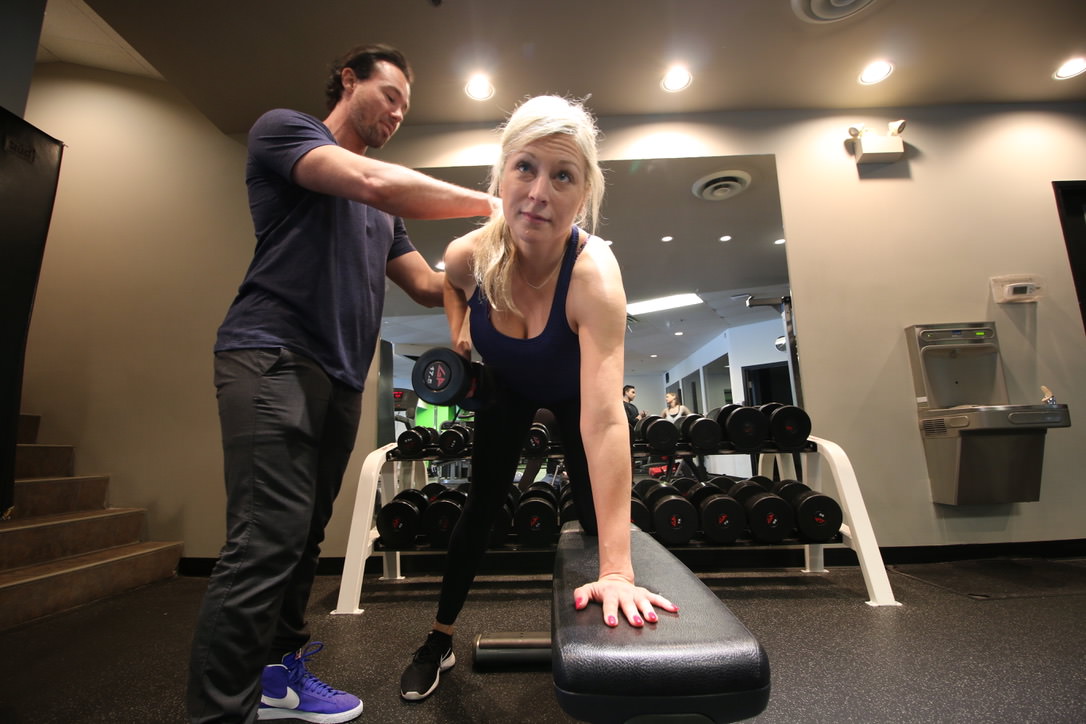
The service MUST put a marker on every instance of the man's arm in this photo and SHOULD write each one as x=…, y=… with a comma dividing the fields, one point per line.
x=411, y=273
x=389, y=187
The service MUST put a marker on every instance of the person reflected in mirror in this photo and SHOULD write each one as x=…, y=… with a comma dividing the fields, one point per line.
x=629, y=393
x=673, y=409
x=548, y=318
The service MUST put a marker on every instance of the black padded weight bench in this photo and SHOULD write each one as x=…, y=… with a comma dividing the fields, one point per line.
x=700, y=665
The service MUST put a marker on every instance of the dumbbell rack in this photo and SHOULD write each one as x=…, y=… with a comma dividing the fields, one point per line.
x=382, y=471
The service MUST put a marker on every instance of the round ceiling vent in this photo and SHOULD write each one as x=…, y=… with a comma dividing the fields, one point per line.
x=827, y=11
x=721, y=185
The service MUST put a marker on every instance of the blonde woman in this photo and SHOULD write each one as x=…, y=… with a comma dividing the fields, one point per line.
x=548, y=316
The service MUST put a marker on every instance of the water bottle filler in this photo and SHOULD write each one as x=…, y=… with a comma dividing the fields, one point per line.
x=980, y=449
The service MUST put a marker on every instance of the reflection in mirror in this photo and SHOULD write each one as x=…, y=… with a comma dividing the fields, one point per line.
x=705, y=225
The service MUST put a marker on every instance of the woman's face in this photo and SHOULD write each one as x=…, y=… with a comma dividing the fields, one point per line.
x=670, y=397
x=543, y=188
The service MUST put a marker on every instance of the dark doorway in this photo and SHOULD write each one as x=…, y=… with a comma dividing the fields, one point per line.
x=767, y=383
x=1071, y=203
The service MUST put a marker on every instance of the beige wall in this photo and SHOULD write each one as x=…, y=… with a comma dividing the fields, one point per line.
x=151, y=236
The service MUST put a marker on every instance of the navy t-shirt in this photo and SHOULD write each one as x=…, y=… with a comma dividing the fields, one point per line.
x=316, y=284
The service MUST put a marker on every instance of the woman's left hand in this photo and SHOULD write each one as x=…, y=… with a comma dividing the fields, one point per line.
x=617, y=594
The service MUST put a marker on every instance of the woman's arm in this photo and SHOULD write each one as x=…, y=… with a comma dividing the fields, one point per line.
x=596, y=308
x=459, y=283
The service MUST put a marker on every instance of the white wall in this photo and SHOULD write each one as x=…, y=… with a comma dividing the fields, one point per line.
x=151, y=235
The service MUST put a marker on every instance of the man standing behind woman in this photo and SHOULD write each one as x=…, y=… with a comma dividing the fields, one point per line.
x=548, y=316
x=290, y=363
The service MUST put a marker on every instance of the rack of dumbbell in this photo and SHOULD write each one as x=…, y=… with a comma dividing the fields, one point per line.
x=715, y=510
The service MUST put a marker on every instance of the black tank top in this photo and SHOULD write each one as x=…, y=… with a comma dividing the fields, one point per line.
x=545, y=369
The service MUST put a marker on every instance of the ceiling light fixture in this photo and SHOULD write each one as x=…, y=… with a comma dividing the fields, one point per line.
x=726, y=237
x=676, y=79
x=779, y=241
x=479, y=87
x=666, y=239
x=678, y=334
x=659, y=304
x=876, y=72
x=1073, y=67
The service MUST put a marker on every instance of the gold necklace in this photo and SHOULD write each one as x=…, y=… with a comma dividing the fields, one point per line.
x=544, y=282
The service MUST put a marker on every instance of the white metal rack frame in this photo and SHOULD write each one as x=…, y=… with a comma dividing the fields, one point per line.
x=380, y=472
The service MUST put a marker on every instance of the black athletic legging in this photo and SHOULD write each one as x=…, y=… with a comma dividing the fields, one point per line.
x=500, y=433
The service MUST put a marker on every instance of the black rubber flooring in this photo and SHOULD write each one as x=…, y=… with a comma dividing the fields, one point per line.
x=942, y=656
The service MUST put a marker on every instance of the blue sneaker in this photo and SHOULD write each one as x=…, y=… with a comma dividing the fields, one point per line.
x=291, y=692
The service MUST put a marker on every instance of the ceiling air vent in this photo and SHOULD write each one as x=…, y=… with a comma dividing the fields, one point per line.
x=827, y=11
x=721, y=185
x=935, y=428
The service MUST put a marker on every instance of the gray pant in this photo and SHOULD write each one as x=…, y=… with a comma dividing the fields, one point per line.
x=287, y=432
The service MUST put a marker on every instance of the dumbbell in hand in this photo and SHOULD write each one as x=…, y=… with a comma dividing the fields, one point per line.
x=442, y=377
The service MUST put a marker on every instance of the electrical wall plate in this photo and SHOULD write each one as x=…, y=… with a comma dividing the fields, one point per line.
x=1016, y=288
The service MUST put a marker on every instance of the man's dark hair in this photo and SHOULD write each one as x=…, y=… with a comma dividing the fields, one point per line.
x=362, y=61
x=627, y=388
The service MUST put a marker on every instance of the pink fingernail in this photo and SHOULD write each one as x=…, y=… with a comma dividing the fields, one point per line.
x=651, y=617
x=578, y=602
x=638, y=621
x=612, y=621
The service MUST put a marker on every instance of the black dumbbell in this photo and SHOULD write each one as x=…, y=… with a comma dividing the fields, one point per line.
x=400, y=520
x=769, y=516
x=658, y=434
x=744, y=427
x=536, y=517
x=789, y=426
x=674, y=518
x=455, y=440
x=567, y=505
x=723, y=518
x=702, y=434
x=440, y=516
x=640, y=515
x=503, y=522
x=818, y=516
x=417, y=442
x=542, y=439
x=442, y=377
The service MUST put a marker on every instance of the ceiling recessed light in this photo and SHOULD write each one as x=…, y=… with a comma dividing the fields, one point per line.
x=654, y=356
x=666, y=239
x=678, y=334
x=876, y=72
x=726, y=237
x=676, y=79
x=779, y=241
x=1070, y=69
x=479, y=87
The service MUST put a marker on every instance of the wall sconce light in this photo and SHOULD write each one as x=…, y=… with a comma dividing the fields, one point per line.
x=869, y=147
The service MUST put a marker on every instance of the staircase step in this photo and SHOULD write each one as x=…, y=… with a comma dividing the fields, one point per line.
x=35, y=540
x=44, y=461
x=49, y=496
x=30, y=592
x=27, y=431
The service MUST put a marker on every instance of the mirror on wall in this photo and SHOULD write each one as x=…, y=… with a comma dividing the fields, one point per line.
x=707, y=225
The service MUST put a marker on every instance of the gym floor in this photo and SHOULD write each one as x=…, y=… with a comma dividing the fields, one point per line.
x=994, y=640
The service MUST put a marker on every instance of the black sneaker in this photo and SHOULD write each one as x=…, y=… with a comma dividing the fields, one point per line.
x=421, y=676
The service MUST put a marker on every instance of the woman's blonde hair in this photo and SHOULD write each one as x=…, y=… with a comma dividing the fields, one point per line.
x=532, y=120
